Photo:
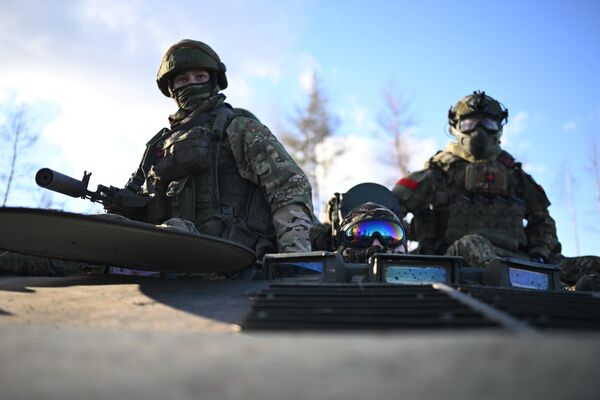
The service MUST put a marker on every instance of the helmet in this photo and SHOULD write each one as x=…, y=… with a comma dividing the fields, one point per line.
x=368, y=221
x=476, y=122
x=187, y=54
x=477, y=103
x=369, y=211
x=365, y=223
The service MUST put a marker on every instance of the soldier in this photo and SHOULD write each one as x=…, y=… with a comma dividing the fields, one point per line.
x=216, y=171
x=368, y=229
x=218, y=166
x=472, y=198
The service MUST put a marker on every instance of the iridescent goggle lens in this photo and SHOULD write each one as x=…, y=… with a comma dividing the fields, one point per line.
x=468, y=124
x=362, y=234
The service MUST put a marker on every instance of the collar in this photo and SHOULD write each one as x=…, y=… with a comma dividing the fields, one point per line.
x=458, y=151
x=182, y=115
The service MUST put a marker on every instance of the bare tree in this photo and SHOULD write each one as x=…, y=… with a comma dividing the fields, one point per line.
x=594, y=165
x=18, y=136
x=396, y=121
x=312, y=125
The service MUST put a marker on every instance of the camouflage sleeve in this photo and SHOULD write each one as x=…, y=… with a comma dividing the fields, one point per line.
x=541, y=234
x=415, y=191
x=541, y=229
x=263, y=160
x=292, y=225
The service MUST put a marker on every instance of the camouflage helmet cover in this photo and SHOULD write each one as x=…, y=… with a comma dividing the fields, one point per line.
x=187, y=54
x=477, y=103
x=369, y=211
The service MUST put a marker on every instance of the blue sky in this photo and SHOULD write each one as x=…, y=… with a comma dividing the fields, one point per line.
x=90, y=66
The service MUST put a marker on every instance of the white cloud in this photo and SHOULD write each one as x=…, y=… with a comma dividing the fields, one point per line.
x=306, y=79
x=265, y=70
x=364, y=160
x=358, y=119
x=97, y=61
x=515, y=126
x=308, y=67
x=115, y=15
x=569, y=126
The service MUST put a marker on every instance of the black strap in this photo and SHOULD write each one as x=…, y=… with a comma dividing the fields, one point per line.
x=137, y=179
x=139, y=176
x=224, y=115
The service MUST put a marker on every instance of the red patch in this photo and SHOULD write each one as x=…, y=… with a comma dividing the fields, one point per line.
x=490, y=177
x=409, y=183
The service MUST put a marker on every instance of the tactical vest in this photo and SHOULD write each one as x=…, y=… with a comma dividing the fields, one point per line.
x=482, y=198
x=216, y=198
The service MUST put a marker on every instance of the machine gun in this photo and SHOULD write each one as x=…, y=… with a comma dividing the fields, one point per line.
x=113, y=199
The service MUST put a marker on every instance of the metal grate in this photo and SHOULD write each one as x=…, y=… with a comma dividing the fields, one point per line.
x=351, y=306
x=544, y=310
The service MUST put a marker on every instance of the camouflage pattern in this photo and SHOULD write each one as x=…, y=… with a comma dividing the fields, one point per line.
x=188, y=54
x=476, y=250
x=477, y=103
x=445, y=211
x=477, y=142
x=229, y=182
x=292, y=225
x=367, y=211
x=574, y=268
x=21, y=264
x=261, y=159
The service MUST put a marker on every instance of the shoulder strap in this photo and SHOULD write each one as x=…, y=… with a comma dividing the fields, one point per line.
x=224, y=115
x=138, y=178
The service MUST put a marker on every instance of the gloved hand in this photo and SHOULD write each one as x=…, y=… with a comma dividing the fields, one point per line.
x=360, y=255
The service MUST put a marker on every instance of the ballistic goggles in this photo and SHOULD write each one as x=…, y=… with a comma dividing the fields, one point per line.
x=361, y=234
x=469, y=123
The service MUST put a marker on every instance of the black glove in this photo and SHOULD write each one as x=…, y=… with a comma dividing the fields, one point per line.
x=360, y=255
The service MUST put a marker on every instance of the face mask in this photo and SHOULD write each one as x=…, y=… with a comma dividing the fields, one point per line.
x=479, y=142
x=191, y=96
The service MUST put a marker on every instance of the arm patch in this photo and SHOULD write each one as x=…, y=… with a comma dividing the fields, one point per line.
x=408, y=183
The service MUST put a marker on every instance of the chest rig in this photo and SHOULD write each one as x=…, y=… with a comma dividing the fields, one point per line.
x=215, y=197
x=483, y=198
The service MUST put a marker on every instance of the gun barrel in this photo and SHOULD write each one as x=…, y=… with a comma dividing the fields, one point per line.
x=58, y=182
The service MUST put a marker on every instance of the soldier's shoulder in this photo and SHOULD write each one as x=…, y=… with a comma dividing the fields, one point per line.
x=441, y=160
x=533, y=192
x=506, y=159
x=242, y=112
x=405, y=187
x=244, y=122
x=245, y=128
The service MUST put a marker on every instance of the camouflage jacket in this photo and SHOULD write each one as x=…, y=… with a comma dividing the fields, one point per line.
x=453, y=197
x=225, y=171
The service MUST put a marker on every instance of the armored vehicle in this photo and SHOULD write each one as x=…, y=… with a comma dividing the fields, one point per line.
x=302, y=325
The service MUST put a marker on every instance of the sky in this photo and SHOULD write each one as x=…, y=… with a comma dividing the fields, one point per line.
x=87, y=69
